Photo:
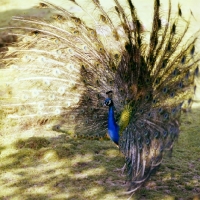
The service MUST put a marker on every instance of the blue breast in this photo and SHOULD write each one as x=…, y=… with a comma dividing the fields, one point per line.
x=113, y=128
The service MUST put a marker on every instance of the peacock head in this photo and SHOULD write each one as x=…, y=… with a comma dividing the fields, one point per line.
x=109, y=101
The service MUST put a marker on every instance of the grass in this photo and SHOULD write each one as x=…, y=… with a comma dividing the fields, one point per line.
x=40, y=164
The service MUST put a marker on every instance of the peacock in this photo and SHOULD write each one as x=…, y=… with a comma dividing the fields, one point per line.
x=100, y=72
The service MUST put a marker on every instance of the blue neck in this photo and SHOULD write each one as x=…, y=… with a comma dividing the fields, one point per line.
x=113, y=128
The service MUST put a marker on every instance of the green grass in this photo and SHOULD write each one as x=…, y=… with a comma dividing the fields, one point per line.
x=40, y=164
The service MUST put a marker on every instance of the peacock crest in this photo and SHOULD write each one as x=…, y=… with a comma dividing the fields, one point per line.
x=62, y=70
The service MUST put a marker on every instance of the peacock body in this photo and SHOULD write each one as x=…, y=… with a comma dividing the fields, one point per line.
x=62, y=70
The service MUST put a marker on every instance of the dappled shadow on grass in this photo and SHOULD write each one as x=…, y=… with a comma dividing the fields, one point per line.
x=60, y=168
x=41, y=164
x=55, y=166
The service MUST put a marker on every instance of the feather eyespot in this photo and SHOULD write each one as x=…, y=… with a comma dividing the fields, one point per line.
x=41, y=106
x=173, y=29
x=146, y=134
x=175, y=72
x=139, y=138
x=147, y=142
x=179, y=10
x=97, y=81
x=72, y=117
x=140, y=146
x=76, y=20
x=156, y=134
x=180, y=85
x=159, y=23
x=165, y=134
x=169, y=46
x=183, y=60
x=57, y=111
x=166, y=115
x=171, y=130
x=97, y=64
x=59, y=17
x=165, y=90
x=147, y=80
x=43, y=5
x=147, y=97
x=76, y=32
x=157, y=81
x=116, y=56
x=36, y=32
x=121, y=90
x=196, y=72
x=103, y=18
x=154, y=101
x=82, y=111
x=70, y=50
x=91, y=109
x=160, y=110
x=56, y=127
x=51, y=97
x=95, y=116
x=173, y=110
x=92, y=32
x=110, y=82
x=192, y=51
x=22, y=108
x=149, y=114
x=172, y=94
x=101, y=49
x=187, y=75
x=189, y=100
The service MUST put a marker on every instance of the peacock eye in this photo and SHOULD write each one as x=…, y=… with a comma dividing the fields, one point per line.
x=149, y=114
x=173, y=110
x=116, y=56
x=166, y=115
x=160, y=110
x=164, y=89
x=147, y=97
x=183, y=60
x=172, y=94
